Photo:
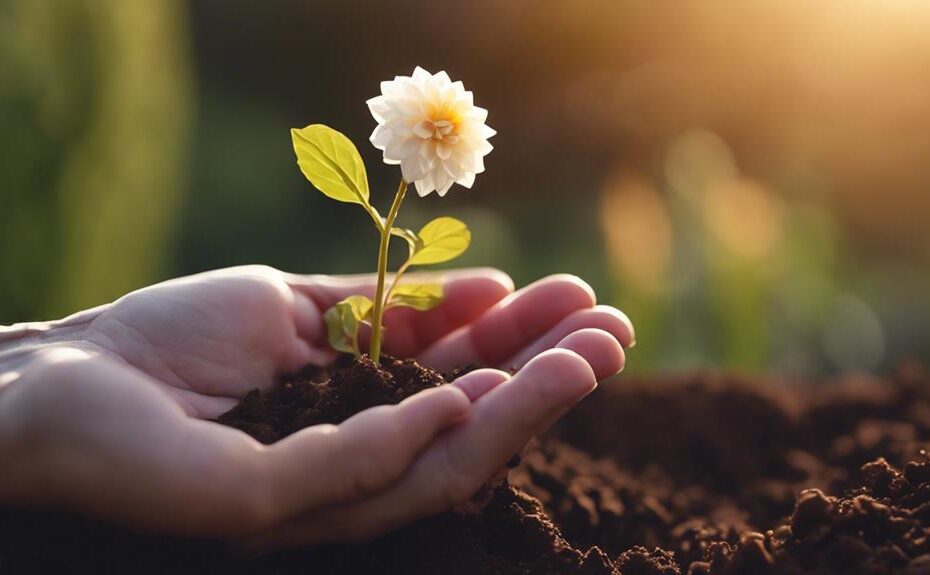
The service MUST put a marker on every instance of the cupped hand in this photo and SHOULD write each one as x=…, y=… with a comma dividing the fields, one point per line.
x=110, y=414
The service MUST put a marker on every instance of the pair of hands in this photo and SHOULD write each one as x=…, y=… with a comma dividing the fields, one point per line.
x=106, y=411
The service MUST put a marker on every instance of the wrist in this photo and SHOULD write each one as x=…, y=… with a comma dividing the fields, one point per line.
x=26, y=351
x=19, y=342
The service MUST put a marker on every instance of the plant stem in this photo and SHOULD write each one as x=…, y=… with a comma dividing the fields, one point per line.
x=377, y=313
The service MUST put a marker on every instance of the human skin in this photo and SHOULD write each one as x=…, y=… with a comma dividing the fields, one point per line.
x=107, y=412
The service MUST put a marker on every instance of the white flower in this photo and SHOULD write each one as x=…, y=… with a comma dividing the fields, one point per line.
x=431, y=127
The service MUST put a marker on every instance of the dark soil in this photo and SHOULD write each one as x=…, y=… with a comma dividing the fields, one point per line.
x=694, y=474
x=317, y=395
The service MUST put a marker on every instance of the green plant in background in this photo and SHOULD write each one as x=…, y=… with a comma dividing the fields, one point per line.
x=429, y=126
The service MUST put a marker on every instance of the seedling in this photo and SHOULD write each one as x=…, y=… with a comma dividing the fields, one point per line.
x=429, y=126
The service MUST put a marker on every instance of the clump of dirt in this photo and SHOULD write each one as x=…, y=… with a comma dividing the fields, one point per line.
x=697, y=474
x=316, y=395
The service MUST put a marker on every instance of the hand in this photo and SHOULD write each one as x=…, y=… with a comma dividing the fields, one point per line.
x=104, y=412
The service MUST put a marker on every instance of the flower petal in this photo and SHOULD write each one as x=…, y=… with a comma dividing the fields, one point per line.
x=381, y=137
x=424, y=129
x=444, y=187
x=478, y=114
x=443, y=150
x=431, y=127
x=423, y=188
x=467, y=180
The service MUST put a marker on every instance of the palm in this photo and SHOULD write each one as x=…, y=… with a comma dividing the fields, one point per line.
x=216, y=335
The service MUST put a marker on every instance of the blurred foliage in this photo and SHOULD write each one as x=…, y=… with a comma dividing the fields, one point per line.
x=747, y=178
x=94, y=99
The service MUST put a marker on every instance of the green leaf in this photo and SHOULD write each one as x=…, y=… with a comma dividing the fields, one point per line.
x=443, y=239
x=343, y=321
x=417, y=296
x=332, y=163
x=413, y=240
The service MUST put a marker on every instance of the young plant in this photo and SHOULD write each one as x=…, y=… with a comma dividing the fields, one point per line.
x=429, y=126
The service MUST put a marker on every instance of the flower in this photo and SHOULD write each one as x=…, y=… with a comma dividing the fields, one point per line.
x=431, y=127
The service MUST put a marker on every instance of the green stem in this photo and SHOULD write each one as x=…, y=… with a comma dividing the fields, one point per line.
x=377, y=313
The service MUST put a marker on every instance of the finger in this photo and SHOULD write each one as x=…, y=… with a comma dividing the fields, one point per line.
x=464, y=299
x=308, y=320
x=479, y=382
x=362, y=455
x=468, y=293
x=512, y=324
x=459, y=463
x=228, y=485
x=600, y=349
x=602, y=317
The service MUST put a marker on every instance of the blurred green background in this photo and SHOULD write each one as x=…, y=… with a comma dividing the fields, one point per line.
x=748, y=179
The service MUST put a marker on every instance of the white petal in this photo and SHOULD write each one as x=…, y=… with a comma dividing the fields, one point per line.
x=453, y=169
x=393, y=152
x=440, y=178
x=427, y=149
x=443, y=150
x=378, y=108
x=381, y=137
x=390, y=88
x=472, y=162
x=478, y=114
x=411, y=92
x=408, y=107
x=432, y=93
x=479, y=164
x=424, y=129
x=411, y=171
x=399, y=124
x=441, y=189
x=407, y=147
x=467, y=180
x=420, y=74
x=423, y=188
x=442, y=77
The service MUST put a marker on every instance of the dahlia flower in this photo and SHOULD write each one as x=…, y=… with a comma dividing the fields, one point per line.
x=431, y=127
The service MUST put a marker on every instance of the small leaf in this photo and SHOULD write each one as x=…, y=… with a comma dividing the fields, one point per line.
x=443, y=239
x=332, y=163
x=413, y=240
x=417, y=296
x=343, y=320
